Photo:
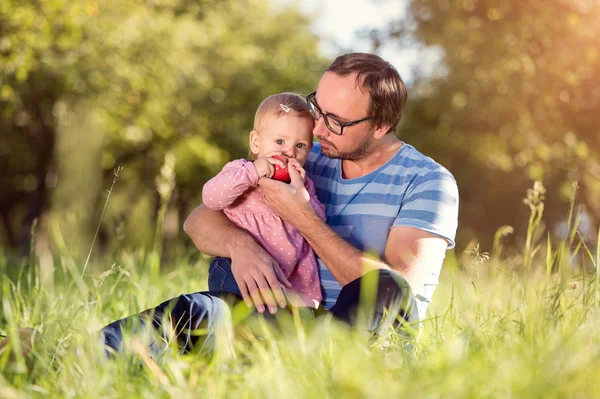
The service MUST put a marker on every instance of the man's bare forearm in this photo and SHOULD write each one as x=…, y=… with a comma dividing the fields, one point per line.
x=212, y=232
x=344, y=261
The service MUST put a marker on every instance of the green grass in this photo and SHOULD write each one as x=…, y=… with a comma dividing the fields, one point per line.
x=524, y=325
x=491, y=332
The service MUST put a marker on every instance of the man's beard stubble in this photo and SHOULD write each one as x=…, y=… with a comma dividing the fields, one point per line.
x=359, y=153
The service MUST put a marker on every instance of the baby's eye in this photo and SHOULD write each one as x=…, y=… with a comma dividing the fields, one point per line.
x=279, y=141
x=300, y=145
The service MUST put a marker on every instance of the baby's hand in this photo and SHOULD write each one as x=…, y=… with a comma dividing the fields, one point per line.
x=264, y=165
x=292, y=162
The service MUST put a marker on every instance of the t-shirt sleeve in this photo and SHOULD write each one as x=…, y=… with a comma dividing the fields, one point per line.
x=431, y=204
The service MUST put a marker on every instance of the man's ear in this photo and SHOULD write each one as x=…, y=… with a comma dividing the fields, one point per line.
x=254, y=142
x=380, y=131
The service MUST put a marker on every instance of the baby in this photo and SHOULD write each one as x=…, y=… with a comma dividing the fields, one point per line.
x=281, y=138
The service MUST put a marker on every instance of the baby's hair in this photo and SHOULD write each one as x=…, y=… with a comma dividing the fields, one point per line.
x=286, y=103
x=278, y=105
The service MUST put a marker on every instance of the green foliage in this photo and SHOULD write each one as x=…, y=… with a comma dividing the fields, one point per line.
x=513, y=100
x=88, y=86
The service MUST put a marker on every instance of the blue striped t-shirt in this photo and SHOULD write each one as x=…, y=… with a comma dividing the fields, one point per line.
x=408, y=190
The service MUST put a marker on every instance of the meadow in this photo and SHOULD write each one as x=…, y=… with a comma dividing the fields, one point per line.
x=516, y=325
x=504, y=93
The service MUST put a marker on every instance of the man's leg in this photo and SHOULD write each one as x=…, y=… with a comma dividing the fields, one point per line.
x=198, y=321
x=380, y=298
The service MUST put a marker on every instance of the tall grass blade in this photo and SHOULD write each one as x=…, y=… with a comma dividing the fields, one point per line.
x=116, y=172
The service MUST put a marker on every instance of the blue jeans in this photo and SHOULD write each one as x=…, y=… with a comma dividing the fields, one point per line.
x=220, y=277
x=209, y=312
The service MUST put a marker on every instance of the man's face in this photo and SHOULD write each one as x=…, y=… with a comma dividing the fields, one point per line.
x=340, y=97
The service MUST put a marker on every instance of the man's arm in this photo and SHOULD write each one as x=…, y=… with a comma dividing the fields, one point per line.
x=415, y=254
x=344, y=261
x=411, y=252
x=258, y=276
x=212, y=232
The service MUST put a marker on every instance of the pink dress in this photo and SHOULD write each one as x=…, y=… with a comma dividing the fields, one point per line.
x=235, y=190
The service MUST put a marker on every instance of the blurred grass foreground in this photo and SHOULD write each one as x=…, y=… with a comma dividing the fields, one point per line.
x=500, y=326
x=114, y=114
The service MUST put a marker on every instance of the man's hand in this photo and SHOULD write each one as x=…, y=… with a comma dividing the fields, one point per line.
x=254, y=270
x=290, y=201
x=258, y=276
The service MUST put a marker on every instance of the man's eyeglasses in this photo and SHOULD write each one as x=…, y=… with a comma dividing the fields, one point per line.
x=334, y=125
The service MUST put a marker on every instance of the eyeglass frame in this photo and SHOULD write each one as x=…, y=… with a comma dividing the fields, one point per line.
x=309, y=101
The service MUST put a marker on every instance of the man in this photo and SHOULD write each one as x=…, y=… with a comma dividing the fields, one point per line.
x=381, y=195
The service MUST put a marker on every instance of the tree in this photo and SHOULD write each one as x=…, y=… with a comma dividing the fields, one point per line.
x=88, y=86
x=513, y=100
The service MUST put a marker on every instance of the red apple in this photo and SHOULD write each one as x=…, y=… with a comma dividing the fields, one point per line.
x=281, y=174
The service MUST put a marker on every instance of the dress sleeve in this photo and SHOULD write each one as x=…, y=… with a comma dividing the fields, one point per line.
x=314, y=201
x=223, y=189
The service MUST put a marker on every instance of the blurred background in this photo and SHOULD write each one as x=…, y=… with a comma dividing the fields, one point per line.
x=113, y=114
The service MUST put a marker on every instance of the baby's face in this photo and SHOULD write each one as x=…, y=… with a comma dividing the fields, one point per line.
x=288, y=134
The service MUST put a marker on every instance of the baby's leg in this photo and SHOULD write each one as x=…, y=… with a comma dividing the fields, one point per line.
x=220, y=277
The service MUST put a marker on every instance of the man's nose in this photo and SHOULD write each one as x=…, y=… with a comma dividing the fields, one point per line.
x=320, y=129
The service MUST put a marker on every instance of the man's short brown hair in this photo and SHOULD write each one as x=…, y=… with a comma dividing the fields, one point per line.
x=386, y=89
